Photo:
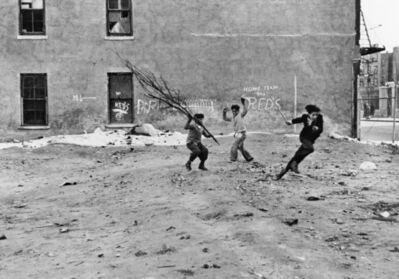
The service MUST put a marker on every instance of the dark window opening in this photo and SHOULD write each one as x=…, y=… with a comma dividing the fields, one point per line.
x=119, y=18
x=32, y=17
x=120, y=86
x=34, y=99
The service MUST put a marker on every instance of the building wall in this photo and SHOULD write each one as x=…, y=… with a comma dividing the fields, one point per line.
x=212, y=50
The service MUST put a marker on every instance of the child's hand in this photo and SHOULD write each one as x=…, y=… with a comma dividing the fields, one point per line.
x=288, y=122
x=226, y=109
x=315, y=128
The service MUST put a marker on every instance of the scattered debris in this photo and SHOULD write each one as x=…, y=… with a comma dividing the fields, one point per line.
x=290, y=221
x=349, y=172
x=245, y=214
x=140, y=253
x=205, y=250
x=395, y=250
x=165, y=250
x=3, y=237
x=263, y=209
x=22, y=205
x=101, y=255
x=365, y=166
x=64, y=230
x=170, y=228
x=315, y=198
x=186, y=272
x=206, y=266
x=68, y=184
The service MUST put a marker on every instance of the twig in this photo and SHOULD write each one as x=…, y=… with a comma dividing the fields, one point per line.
x=158, y=89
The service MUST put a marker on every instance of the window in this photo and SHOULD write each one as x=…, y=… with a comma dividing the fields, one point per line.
x=119, y=18
x=32, y=17
x=120, y=86
x=34, y=99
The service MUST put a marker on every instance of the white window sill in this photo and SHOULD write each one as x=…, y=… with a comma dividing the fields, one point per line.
x=119, y=38
x=120, y=125
x=34, y=128
x=32, y=37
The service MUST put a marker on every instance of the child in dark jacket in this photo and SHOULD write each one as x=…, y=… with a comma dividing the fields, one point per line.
x=313, y=127
x=194, y=143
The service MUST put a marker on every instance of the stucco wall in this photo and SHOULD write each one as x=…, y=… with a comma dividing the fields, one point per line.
x=215, y=50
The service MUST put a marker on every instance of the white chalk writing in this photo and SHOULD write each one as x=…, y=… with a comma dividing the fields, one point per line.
x=79, y=98
x=120, y=109
x=147, y=106
x=263, y=104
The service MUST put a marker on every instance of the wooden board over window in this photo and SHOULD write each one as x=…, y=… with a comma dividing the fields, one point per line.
x=120, y=86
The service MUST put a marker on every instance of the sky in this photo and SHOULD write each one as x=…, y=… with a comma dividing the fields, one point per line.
x=382, y=20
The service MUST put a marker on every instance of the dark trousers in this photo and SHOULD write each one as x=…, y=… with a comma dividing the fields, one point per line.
x=303, y=151
x=197, y=150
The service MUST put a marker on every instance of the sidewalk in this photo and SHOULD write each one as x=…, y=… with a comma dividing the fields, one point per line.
x=379, y=119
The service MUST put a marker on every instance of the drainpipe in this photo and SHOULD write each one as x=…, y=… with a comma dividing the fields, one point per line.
x=356, y=71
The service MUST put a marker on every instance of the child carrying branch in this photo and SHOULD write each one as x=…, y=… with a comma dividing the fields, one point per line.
x=194, y=141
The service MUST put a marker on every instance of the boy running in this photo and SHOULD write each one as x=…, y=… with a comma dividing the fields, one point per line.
x=312, y=128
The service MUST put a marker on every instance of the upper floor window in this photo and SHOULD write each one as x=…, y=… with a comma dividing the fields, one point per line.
x=32, y=15
x=119, y=18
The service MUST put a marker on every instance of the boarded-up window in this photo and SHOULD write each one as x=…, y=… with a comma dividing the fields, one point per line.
x=34, y=99
x=120, y=86
x=32, y=17
x=119, y=18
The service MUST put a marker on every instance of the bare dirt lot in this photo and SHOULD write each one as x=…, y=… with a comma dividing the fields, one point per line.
x=120, y=212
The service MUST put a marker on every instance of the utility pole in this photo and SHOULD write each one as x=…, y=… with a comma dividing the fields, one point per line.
x=395, y=87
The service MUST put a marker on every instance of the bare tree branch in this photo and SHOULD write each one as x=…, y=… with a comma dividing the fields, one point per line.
x=158, y=89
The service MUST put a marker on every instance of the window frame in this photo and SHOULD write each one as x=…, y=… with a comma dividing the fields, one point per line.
x=23, y=98
x=21, y=32
x=107, y=11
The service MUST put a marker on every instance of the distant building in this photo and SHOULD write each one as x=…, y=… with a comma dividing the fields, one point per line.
x=61, y=69
x=377, y=84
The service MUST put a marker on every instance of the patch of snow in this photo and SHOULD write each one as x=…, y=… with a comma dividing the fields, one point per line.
x=103, y=138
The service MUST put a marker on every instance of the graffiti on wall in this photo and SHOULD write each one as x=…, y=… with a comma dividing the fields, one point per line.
x=120, y=110
x=262, y=98
x=79, y=98
x=147, y=106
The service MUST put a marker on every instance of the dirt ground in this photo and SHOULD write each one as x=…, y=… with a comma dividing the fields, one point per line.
x=120, y=212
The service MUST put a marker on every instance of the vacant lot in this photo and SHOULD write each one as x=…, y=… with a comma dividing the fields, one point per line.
x=122, y=212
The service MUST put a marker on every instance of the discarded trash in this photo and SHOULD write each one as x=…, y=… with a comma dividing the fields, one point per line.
x=245, y=214
x=170, y=228
x=349, y=172
x=205, y=250
x=395, y=250
x=384, y=214
x=3, y=236
x=314, y=198
x=165, y=250
x=140, y=253
x=186, y=272
x=68, y=184
x=367, y=166
x=290, y=221
x=22, y=205
x=64, y=230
